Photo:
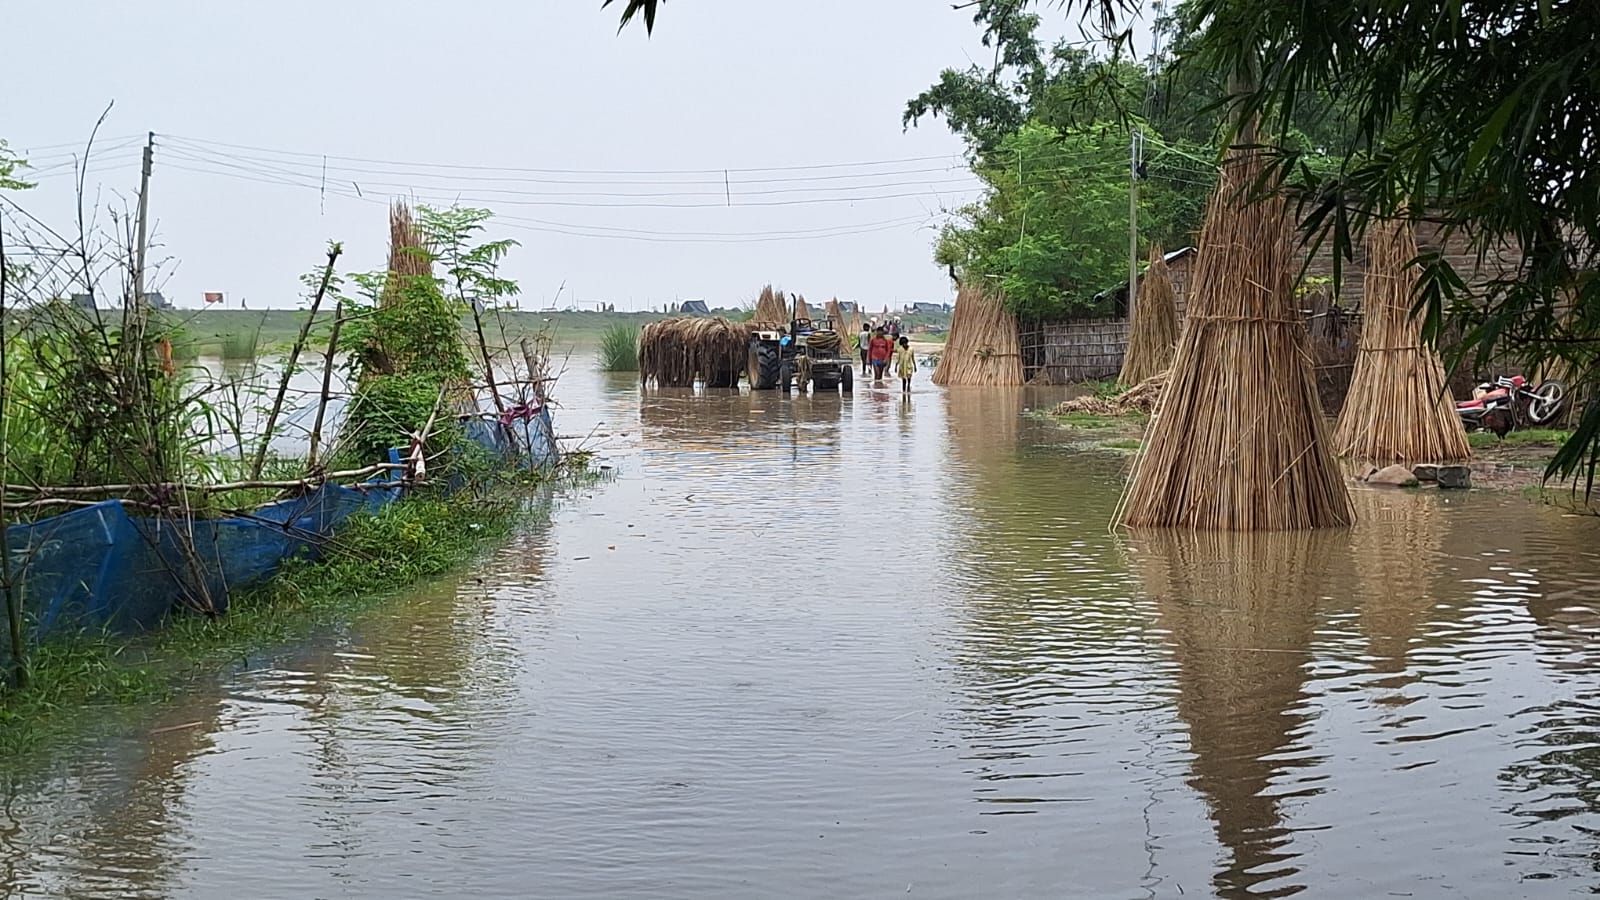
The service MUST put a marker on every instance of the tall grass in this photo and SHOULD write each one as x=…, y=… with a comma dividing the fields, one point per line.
x=619, y=348
x=243, y=343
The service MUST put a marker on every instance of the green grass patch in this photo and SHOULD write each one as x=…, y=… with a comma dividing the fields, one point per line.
x=619, y=348
x=1121, y=444
x=373, y=558
x=1531, y=437
x=1091, y=422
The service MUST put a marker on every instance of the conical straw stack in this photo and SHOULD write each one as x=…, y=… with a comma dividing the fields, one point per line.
x=1153, y=333
x=771, y=308
x=1240, y=443
x=1398, y=408
x=983, y=347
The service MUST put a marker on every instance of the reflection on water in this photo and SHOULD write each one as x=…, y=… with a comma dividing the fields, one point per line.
x=1239, y=613
x=875, y=646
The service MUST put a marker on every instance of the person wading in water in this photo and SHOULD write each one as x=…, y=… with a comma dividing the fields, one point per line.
x=905, y=364
x=879, y=352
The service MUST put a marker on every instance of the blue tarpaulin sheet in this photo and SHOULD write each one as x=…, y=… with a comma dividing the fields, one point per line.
x=98, y=568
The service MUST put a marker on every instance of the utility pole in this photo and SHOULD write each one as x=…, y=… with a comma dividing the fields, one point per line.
x=144, y=213
x=1135, y=154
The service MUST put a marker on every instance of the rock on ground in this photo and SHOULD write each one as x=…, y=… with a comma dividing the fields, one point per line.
x=1393, y=476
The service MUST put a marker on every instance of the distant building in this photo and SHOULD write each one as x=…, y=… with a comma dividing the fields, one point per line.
x=927, y=308
x=846, y=307
x=694, y=308
x=1180, y=267
x=83, y=301
x=157, y=300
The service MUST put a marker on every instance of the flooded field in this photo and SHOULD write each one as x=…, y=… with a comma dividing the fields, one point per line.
x=880, y=647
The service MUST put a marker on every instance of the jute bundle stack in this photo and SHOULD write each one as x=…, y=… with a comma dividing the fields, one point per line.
x=1240, y=443
x=1153, y=333
x=1398, y=408
x=678, y=352
x=983, y=348
x=771, y=309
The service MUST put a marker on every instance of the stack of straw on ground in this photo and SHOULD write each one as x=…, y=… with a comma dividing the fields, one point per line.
x=983, y=348
x=678, y=352
x=1153, y=334
x=1143, y=397
x=1398, y=408
x=771, y=309
x=1240, y=443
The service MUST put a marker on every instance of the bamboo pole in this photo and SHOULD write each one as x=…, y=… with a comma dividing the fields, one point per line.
x=19, y=654
x=327, y=385
x=294, y=357
x=246, y=484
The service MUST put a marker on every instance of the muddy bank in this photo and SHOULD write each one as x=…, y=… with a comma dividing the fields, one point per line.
x=1515, y=463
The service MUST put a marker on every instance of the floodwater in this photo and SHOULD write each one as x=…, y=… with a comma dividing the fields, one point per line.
x=808, y=647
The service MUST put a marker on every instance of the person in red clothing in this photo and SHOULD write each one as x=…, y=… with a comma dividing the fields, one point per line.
x=879, y=351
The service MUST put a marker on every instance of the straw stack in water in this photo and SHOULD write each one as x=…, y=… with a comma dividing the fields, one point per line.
x=1240, y=443
x=1398, y=408
x=771, y=309
x=852, y=323
x=1153, y=333
x=983, y=346
x=678, y=352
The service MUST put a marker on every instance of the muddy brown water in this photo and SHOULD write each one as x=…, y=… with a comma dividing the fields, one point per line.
x=809, y=647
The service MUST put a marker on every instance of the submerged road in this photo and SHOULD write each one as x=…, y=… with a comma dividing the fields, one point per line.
x=813, y=647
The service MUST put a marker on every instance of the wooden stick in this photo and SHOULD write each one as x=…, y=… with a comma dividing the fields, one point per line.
x=19, y=657
x=294, y=357
x=327, y=385
x=253, y=484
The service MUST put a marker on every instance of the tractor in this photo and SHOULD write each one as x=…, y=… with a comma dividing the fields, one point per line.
x=809, y=352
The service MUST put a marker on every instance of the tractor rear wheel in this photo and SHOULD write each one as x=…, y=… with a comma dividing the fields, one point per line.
x=763, y=365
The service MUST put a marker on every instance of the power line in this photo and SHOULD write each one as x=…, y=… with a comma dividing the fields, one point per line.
x=965, y=179
x=272, y=178
x=471, y=167
x=317, y=167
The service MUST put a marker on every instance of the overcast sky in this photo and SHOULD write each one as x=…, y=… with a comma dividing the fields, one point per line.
x=579, y=137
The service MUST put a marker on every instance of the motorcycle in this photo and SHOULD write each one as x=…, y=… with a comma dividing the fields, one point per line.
x=1509, y=402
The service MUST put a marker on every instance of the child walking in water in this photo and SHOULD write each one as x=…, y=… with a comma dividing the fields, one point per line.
x=905, y=364
x=880, y=351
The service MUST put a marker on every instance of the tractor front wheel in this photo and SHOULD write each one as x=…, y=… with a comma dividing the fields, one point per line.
x=785, y=376
x=763, y=366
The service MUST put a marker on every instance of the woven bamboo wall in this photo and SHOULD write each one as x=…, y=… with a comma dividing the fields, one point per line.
x=1072, y=351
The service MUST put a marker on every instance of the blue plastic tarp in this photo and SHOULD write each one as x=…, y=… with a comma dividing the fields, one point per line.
x=97, y=568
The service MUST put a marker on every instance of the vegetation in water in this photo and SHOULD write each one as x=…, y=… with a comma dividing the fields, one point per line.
x=1529, y=437
x=1091, y=422
x=619, y=349
x=371, y=559
x=242, y=344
